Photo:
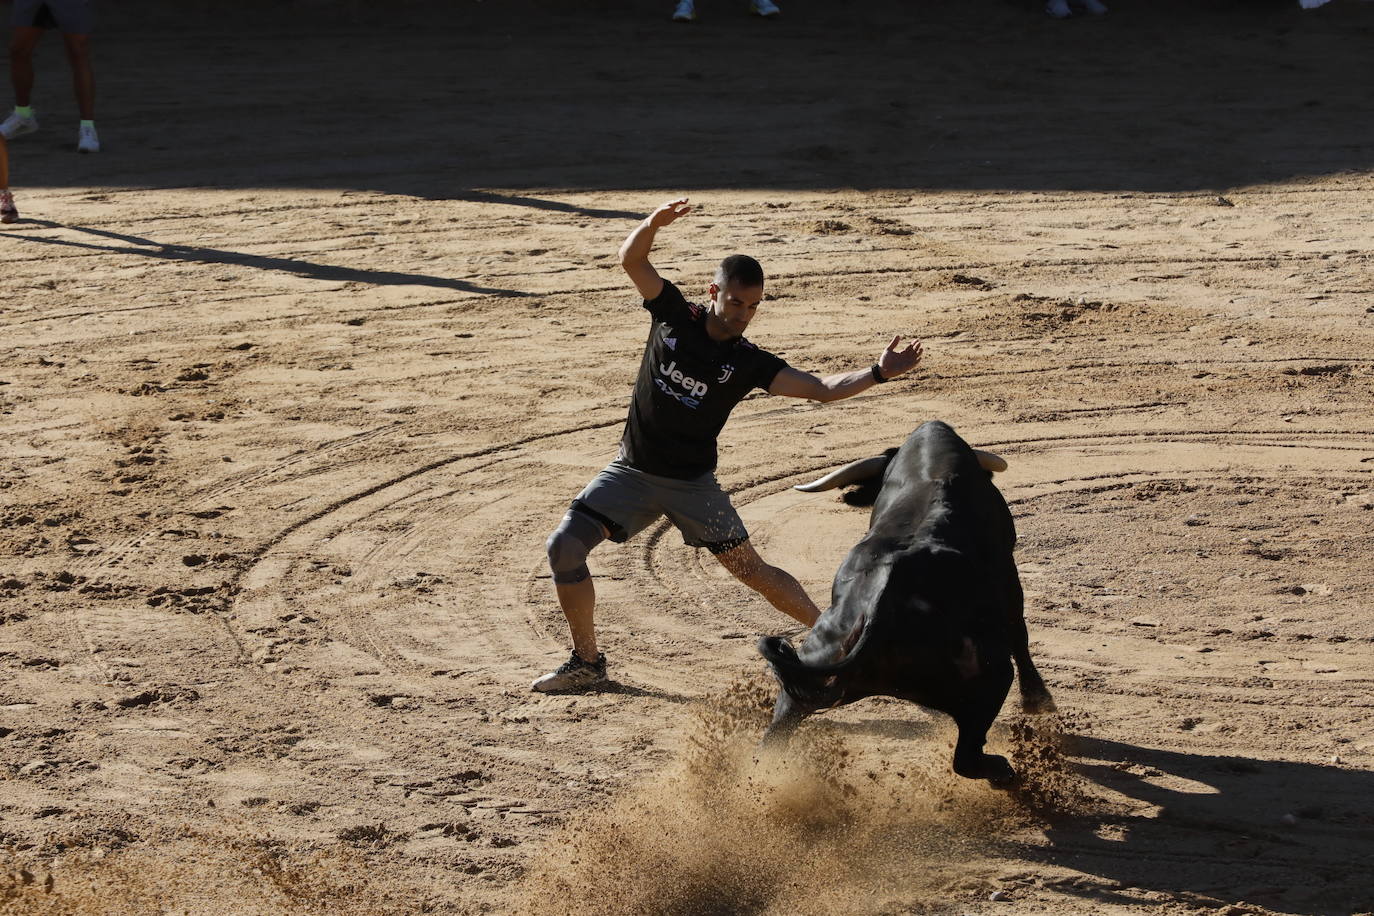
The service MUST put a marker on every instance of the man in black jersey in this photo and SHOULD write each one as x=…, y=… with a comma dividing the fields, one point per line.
x=697, y=366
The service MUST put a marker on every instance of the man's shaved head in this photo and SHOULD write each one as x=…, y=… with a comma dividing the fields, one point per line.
x=739, y=269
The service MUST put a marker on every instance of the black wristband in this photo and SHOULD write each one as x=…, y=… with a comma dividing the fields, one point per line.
x=877, y=374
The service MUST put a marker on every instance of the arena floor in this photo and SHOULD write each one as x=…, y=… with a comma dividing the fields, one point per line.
x=301, y=370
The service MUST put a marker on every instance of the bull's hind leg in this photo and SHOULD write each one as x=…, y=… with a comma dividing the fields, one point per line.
x=1035, y=696
x=974, y=719
x=787, y=715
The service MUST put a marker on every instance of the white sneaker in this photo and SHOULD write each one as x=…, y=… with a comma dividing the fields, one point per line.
x=763, y=8
x=1059, y=9
x=574, y=674
x=86, y=140
x=686, y=11
x=16, y=125
x=9, y=213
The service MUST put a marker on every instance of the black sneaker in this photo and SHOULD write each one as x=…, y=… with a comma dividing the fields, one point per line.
x=574, y=674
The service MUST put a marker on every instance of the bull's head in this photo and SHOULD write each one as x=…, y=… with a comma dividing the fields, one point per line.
x=866, y=476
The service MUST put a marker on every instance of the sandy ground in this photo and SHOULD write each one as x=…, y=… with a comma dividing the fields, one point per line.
x=300, y=371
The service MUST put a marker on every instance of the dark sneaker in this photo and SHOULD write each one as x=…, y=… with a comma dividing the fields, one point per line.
x=574, y=674
x=9, y=213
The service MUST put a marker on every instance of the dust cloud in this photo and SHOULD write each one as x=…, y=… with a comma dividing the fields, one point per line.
x=825, y=827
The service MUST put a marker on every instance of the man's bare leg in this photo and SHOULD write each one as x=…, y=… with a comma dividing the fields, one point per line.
x=578, y=601
x=776, y=585
x=9, y=213
x=22, y=43
x=83, y=76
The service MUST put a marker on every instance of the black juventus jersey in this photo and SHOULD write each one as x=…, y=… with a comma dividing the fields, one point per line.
x=687, y=386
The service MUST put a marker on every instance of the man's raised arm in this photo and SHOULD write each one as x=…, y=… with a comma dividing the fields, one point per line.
x=634, y=253
x=895, y=360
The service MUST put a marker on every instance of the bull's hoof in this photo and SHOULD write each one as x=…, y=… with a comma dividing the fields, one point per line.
x=991, y=767
x=1005, y=778
x=1038, y=703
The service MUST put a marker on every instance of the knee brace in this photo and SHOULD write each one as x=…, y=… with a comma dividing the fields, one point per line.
x=569, y=545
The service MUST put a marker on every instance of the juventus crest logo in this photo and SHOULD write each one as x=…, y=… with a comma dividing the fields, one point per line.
x=726, y=371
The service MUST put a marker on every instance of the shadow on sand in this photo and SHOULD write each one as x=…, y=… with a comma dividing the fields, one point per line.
x=434, y=99
x=197, y=255
x=1292, y=837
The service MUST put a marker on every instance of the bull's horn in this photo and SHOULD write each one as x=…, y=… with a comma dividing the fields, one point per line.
x=990, y=462
x=854, y=472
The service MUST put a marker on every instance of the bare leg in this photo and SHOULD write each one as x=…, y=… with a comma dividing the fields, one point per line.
x=8, y=212
x=578, y=601
x=576, y=536
x=22, y=43
x=776, y=585
x=83, y=77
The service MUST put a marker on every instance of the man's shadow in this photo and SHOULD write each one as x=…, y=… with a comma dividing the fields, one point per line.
x=1292, y=837
x=540, y=203
x=137, y=245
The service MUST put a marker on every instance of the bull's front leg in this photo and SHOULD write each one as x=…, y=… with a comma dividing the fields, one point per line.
x=974, y=717
x=971, y=763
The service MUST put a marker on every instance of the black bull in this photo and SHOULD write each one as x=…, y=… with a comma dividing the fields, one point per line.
x=927, y=607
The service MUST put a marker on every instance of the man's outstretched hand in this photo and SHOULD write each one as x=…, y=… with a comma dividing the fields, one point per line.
x=897, y=359
x=669, y=212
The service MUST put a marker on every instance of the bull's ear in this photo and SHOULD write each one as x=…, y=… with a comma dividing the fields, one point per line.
x=865, y=494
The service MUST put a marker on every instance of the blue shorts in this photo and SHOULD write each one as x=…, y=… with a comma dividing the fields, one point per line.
x=627, y=501
x=71, y=17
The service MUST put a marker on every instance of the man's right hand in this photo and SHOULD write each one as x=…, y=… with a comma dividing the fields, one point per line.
x=634, y=253
x=669, y=212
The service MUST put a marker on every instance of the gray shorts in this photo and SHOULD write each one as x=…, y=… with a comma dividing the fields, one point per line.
x=71, y=17
x=627, y=501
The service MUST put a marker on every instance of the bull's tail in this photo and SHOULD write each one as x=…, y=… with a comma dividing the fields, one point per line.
x=812, y=685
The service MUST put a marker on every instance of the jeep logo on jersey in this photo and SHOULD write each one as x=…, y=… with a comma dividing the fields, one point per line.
x=693, y=387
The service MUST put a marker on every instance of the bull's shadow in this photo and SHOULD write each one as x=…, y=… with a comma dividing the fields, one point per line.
x=1292, y=837
x=434, y=99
